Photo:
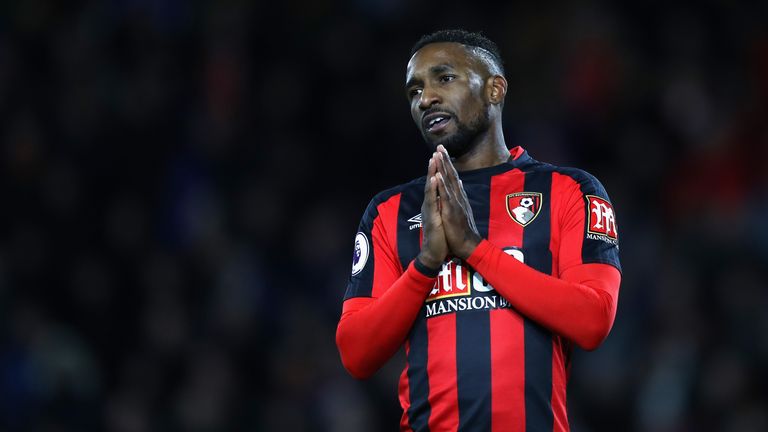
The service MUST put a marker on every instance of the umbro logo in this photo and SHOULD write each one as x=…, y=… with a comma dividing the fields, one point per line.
x=415, y=222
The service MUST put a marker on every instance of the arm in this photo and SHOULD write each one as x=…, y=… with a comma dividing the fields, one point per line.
x=372, y=329
x=580, y=306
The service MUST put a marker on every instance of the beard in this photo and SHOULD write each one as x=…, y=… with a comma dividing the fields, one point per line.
x=465, y=138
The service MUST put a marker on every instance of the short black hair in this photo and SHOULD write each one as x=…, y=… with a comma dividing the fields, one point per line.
x=471, y=39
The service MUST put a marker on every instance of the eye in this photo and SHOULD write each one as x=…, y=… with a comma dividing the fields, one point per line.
x=414, y=92
x=447, y=78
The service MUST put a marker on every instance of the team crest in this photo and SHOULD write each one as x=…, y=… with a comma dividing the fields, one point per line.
x=523, y=207
x=601, y=219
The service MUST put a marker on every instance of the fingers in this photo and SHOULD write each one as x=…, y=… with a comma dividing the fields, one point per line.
x=463, y=191
x=432, y=194
x=453, y=183
x=442, y=189
x=430, y=187
x=438, y=206
x=432, y=167
x=443, y=177
x=449, y=171
x=429, y=191
x=431, y=171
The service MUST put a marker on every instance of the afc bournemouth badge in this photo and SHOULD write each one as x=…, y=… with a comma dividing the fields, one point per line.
x=601, y=220
x=523, y=207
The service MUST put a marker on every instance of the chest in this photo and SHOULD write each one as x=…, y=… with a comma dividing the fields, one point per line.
x=514, y=213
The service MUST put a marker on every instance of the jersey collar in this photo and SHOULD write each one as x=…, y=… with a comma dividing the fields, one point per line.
x=518, y=158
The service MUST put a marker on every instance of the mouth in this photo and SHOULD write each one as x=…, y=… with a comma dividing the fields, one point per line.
x=435, y=122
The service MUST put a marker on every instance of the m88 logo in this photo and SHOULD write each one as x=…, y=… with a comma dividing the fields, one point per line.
x=601, y=218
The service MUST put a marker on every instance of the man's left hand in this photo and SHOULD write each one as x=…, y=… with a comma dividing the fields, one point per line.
x=458, y=222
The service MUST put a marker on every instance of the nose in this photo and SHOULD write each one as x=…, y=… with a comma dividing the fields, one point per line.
x=428, y=98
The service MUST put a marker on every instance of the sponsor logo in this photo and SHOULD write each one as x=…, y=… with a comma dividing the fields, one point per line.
x=523, y=207
x=362, y=251
x=454, y=287
x=453, y=280
x=601, y=220
x=415, y=222
x=467, y=303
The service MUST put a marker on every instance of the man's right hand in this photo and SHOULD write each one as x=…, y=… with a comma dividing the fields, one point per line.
x=434, y=247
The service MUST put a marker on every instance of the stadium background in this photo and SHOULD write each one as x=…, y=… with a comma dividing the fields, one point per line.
x=182, y=182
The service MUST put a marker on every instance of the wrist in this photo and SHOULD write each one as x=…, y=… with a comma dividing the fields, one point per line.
x=424, y=270
x=468, y=247
x=429, y=262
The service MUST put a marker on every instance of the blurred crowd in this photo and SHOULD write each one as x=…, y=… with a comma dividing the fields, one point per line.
x=182, y=182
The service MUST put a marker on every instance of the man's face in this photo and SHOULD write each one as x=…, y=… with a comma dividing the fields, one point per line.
x=445, y=86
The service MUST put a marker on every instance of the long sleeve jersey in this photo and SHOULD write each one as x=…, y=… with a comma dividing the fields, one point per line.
x=488, y=340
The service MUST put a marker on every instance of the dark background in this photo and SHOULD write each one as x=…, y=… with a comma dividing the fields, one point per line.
x=182, y=181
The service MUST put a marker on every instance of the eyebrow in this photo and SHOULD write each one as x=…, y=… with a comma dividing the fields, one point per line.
x=434, y=70
x=445, y=67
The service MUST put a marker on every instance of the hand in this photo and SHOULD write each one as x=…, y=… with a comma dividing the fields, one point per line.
x=434, y=247
x=457, y=220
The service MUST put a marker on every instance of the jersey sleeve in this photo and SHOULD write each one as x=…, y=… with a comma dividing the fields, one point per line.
x=375, y=266
x=588, y=224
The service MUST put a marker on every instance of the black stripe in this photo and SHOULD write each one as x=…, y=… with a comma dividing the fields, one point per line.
x=473, y=365
x=473, y=339
x=479, y=198
x=538, y=341
x=407, y=238
x=407, y=249
x=418, y=382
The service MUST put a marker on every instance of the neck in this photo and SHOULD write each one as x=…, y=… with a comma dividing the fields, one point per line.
x=490, y=150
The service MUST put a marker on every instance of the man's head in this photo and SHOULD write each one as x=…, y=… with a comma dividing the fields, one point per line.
x=455, y=85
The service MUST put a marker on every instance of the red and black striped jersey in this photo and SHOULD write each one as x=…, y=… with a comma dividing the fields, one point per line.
x=472, y=360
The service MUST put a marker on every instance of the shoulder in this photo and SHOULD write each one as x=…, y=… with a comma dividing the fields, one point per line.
x=587, y=181
x=387, y=194
x=390, y=196
x=578, y=179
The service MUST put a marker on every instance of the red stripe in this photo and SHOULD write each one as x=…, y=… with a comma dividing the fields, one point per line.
x=384, y=233
x=507, y=371
x=566, y=251
x=507, y=331
x=567, y=204
x=441, y=369
x=558, y=386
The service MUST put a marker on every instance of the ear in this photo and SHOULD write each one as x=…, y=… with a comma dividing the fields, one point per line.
x=496, y=89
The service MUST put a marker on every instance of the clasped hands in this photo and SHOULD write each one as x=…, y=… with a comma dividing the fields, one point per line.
x=446, y=215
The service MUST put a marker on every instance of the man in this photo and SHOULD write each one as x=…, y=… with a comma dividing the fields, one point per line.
x=488, y=269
